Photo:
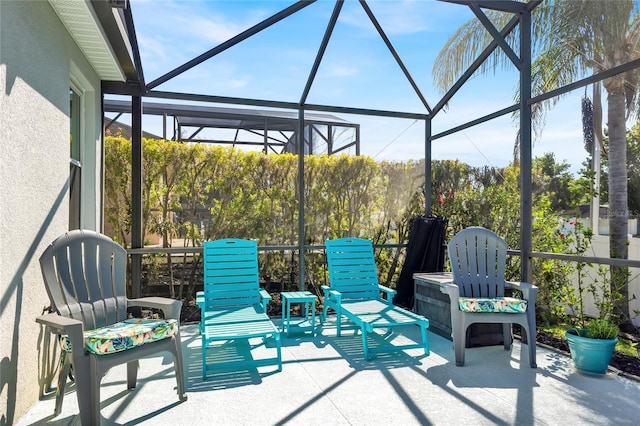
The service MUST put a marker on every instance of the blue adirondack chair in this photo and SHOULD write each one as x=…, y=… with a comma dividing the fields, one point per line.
x=355, y=293
x=233, y=305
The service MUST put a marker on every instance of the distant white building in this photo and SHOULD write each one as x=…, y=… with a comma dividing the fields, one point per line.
x=602, y=217
x=599, y=247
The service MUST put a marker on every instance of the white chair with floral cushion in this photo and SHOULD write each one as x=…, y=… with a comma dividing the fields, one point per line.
x=478, y=259
x=85, y=276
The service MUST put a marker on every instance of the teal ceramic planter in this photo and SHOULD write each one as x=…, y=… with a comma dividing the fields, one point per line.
x=590, y=356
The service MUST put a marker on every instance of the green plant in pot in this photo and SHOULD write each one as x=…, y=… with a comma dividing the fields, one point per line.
x=591, y=340
x=592, y=348
x=602, y=329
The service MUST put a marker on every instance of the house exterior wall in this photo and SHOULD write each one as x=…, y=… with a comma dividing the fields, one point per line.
x=38, y=62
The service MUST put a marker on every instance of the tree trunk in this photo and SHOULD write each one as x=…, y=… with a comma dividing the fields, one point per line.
x=618, y=209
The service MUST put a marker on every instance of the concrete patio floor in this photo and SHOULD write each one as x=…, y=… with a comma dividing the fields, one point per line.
x=326, y=381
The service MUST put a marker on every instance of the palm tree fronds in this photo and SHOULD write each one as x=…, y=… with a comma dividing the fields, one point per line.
x=465, y=45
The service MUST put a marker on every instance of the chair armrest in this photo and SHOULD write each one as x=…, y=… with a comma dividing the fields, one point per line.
x=200, y=299
x=66, y=326
x=452, y=290
x=389, y=292
x=265, y=298
x=331, y=295
x=170, y=307
x=60, y=324
x=529, y=291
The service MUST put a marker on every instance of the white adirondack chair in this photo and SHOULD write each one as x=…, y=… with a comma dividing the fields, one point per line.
x=478, y=258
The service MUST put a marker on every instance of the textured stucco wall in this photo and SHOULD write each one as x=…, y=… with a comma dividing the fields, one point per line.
x=37, y=60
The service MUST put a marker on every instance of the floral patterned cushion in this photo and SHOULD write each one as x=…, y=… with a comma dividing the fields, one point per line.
x=124, y=335
x=508, y=305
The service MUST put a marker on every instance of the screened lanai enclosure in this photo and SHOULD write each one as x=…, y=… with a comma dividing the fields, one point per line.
x=271, y=131
x=301, y=126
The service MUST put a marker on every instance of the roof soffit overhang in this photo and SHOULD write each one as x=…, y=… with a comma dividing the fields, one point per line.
x=81, y=21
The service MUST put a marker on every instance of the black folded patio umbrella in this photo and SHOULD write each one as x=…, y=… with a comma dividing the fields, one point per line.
x=425, y=253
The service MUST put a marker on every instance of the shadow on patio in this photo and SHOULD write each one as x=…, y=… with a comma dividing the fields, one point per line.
x=325, y=380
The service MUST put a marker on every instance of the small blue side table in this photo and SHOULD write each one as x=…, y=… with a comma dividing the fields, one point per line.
x=305, y=322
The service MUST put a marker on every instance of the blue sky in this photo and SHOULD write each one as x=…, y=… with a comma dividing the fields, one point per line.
x=357, y=71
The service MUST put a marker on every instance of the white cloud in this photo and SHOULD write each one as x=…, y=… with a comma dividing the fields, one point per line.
x=152, y=48
x=210, y=79
x=210, y=31
x=237, y=83
x=338, y=70
x=398, y=17
x=171, y=33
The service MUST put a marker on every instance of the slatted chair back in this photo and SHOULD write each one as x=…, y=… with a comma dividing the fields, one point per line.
x=352, y=268
x=85, y=277
x=478, y=258
x=231, y=274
